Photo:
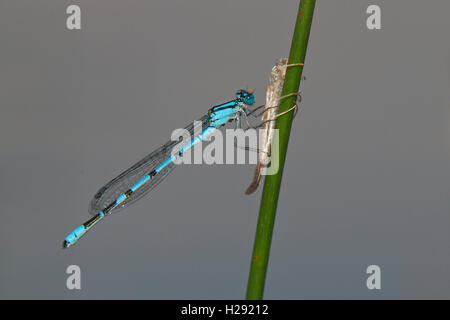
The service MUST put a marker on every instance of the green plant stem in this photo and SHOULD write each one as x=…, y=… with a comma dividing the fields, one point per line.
x=272, y=183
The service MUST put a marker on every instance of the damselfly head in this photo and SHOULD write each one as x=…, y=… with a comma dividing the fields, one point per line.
x=246, y=96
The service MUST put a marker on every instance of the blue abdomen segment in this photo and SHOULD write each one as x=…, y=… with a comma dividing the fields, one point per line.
x=140, y=183
x=164, y=164
x=76, y=234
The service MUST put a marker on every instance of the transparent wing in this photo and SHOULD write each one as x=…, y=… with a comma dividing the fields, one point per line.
x=130, y=177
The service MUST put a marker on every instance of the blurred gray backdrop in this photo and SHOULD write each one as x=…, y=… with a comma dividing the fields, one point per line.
x=367, y=177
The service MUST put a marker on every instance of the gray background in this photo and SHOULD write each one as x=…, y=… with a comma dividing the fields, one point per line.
x=367, y=176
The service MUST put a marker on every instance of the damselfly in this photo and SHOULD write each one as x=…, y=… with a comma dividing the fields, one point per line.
x=138, y=180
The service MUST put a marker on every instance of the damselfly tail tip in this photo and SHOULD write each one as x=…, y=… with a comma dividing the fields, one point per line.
x=65, y=244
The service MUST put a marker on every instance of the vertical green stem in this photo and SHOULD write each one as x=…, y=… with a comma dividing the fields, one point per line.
x=266, y=219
